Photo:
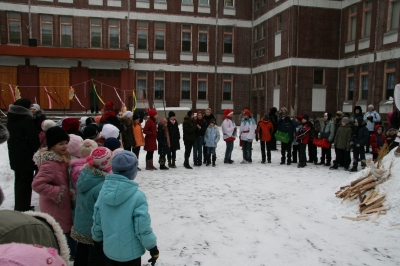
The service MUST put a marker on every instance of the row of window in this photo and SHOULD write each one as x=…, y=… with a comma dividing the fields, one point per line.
x=142, y=88
x=118, y=2
x=258, y=3
x=259, y=30
x=96, y=31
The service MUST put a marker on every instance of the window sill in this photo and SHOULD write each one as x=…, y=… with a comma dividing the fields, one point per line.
x=142, y=54
x=143, y=4
x=203, y=57
x=390, y=36
x=160, y=5
x=187, y=7
x=186, y=56
x=319, y=86
x=160, y=55
x=229, y=11
x=350, y=47
x=228, y=58
x=185, y=103
x=363, y=43
x=205, y=9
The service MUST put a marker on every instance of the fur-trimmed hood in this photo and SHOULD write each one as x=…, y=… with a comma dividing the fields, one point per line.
x=93, y=177
x=19, y=110
x=44, y=155
x=126, y=121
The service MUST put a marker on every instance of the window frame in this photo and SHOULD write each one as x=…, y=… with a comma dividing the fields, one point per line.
x=203, y=32
x=70, y=24
x=190, y=85
x=155, y=88
x=199, y=79
x=45, y=22
x=352, y=14
x=262, y=52
x=362, y=74
x=365, y=11
x=388, y=71
x=144, y=92
x=8, y=27
x=208, y=3
x=101, y=32
x=323, y=76
x=262, y=80
x=279, y=22
x=255, y=30
x=349, y=75
x=146, y=28
x=262, y=36
x=225, y=80
x=155, y=35
x=277, y=78
x=109, y=33
x=389, y=22
x=233, y=39
x=231, y=5
x=191, y=36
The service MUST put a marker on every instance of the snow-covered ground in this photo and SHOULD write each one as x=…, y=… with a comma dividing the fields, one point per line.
x=257, y=214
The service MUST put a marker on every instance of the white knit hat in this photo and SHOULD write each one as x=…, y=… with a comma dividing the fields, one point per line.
x=46, y=124
x=109, y=131
x=83, y=120
x=87, y=146
x=74, y=145
x=128, y=114
x=35, y=106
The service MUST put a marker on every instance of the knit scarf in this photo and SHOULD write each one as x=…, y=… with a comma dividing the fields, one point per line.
x=172, y=121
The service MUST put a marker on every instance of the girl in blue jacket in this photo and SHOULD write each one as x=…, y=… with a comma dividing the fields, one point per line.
x=211, y=139
x=121, y=218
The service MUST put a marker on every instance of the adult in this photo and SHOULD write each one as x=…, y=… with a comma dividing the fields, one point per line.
x=283, y=113
x=174, y=137
x=357, y=112
x=38, y=116
x=94, y=100
x=229, y=132
x=199, y=142
x=395, y=119
x=109, y=115
x=312, y=149
x=150, y=140
x=208, y=116
x=22, y=144
x=127, y=131
x=372, y=118
x=189, y=136
x=274, y=119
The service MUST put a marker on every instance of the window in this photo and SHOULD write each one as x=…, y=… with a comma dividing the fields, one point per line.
x=203, y=2
x=203, y=39
x=262, y=51
x=202, y=86
x=394, y=14
x=187, y=1
x=255, y=34
x=46, y=26
x=141, y=84
x=159, y=85
x=257, y=6
x=364, y=82
x=93, y=73
x=185, y=87
x=366, y=32
x=255, y=55
x=390, y=75
x=186, y=38
x=66, y=31
x=95, y=33
x=262, y=80
x=227, y=93
x=352, y=23
x=263, y=2
x=319, y=76
x=228, y=40
x=14, y=27
x=160, y=36
x=278, y=77
x=229, y=2
x=142, y=35
x=350, y=83
x=279, y=22
x=254, y=106
x=113, y=31
x=262, y=31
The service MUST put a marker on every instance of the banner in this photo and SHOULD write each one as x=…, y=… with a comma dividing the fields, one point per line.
x=119, y=97
x=12, y=92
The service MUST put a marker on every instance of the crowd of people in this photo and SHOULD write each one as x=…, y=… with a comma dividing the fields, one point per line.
x=84, y=169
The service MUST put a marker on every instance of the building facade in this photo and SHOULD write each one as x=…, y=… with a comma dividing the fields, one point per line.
x=310, y=56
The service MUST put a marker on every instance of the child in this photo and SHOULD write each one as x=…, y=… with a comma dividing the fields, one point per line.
x=150, y=141
x=112, y=144
x=52, y=181
x=286, y=125
x=127, y=131
x=89, y=185
x=163, y=142
x=211, y=139
x=265, y=129
x=358, y=141
x=247, y=134
x=121, y=199
x=46, y=124
x=312, y=149
x=295, y=146
x=74, y=146
x=174, y=137
x=342, y=144
x=377, y=140
x=391, y=136
x=302, y=137
x=229, y=134
x=327, y=132
x=138, y=135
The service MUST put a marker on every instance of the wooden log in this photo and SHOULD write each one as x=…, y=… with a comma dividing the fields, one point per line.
x=370, y=195
x=372, y=201
x=373, y=206
x=365, y=181
x=382, y=213
x=355, y=218
x=358, y=181
x=384, y=208
x=395, y=224
x=371, y=185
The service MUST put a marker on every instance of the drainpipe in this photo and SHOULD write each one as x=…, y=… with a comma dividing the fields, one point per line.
x=338, y=70
x=216, y=58
x=128, y=18
x=375, y=43
x=251, y=58
x=30, y=19
x=288, y=68
x=296, y=87
x=266, y=71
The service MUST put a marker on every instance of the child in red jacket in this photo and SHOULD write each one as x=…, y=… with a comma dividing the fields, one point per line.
x=377, y=140
x=302, y=137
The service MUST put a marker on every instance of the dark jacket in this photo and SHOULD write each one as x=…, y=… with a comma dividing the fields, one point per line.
x=201, y=131
x=391, y=140
x=361, y=134
x=395, y=119
x=343, y=137
x=287, y=128
x=208, y=118
x=113, y=120
x=359, y=115
x=273, y=118
x=150, y=130
x=24, y=139
x=315, y=129
x=189, y=128
x=127, y=133
x=38, y=118
x=174, y=135
x=162, y=140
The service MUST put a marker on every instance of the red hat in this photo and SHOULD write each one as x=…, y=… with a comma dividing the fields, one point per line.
x=228, y=112
x=152, y=113
x=108, y=106
x=246, y=112
x=299, y=117
x=71, y=124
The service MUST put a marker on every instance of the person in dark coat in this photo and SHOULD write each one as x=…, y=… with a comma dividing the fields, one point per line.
x=128, y=139
x=312, y=149
x=94, y=100
x=288, y=126
x=38, y=116
x=22, y=144
x=189, y=128
x=274, y=119
x=174, y=137
x=208, y=116
x=109, y=116
x=358, y=141
x=391, y=136
x=199, y=142
x=150, y=140
x=395, y=120
x=357, y=113
x=163, y=142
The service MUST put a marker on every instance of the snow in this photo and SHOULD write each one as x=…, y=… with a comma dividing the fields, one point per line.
x=257, y=214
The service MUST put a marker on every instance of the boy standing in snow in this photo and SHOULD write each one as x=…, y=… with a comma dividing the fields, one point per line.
x=377, y=141
x=287, y=125
x=312, y=149
x=358, y=141
x=211, y=139
x=247, y=134
x=163, y=142
x=328, y=133
x=372, y=117
x=265, y=130
x=342, y=144
x=229, y=134
x=296, y=146
x=302, y=137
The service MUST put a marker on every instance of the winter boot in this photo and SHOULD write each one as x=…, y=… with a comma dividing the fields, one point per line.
x=173, y=165
x=208, y=161
x=334, y=166
x=289, y=162
x=322, y=162
x=353, y=169
x=152, y=165
x=162, y=164
x=169, y=163
x=327, y=164
x=186, y=164
x=213, y=162
x=283, y=160
x=301, y=165
x=148, y=165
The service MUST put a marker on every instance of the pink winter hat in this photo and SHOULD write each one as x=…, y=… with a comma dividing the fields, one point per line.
x=100, y=158
x=87, y=147
x=16, y=254
x=74, y=145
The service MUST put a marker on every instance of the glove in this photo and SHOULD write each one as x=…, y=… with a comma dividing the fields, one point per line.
x=154, y=255
x=370, y=118
x=358, y=145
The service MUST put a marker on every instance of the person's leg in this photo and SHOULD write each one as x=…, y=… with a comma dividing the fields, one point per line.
x=96, y=255
x=195, y=151
x=315, y=153
x=249, y=151
x=362, y=157
x=283, y=153
x=295, y=152
x=269, y=145
x=289, y=153
x=200, y=150
x=82, y=255
x=347, y=159
x=302, y=155
x=367, y=145
x=23, y=190
x=328, y=156
x=244, y=150
x=356, y=154
x=135, y=262
x=263, y=156
x=214, y=155
x=204, y=152
x=309, y=147
x=230, y=149
x=188, y=150
x=72, y=244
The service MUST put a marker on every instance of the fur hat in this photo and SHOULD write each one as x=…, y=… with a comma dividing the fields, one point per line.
x=100, y=158
x=87, y=146
x=171, y=114
x=152, y=112
x=35, y=106
x=74, y=145
x=346, y=120
x=3, y=134
x=97, y=119
x=135, y=117
x=125, y=163
x=90, y=132
x=23, y=102
x=109, y=131
x=246, y=112
x=128, y=114
x=306, y=117
x=359, y=108
x=1, y=196
x=83, y=120
x=29, y=255
x=339, y=113
x=46, y=124
x=112, y=143
x=71, y=124
x=328, y=115
x=55, y=135
x=284, y=109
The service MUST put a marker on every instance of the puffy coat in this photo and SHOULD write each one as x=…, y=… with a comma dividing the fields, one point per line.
x=150, y=130
x=52, y=185
x=265, y=129
x=315, y=129
x=289, y=128
x=174, y=135
x=203, y=127
x=89, y=185
x=375, y=118
x=76, y=168
x=163, y=148
x=24, y=139
x=138, y=134
x=121, y=200
x=228, y=129
x=328, y=130
x=248, y=129
x=303, y=134
x=189, y=128
x=377, y=140
x=127, y=133
x=38, y=118
x=361, y=134
x=343, y=137
x=212, y=137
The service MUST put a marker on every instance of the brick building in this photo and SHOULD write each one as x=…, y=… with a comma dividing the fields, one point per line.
x=307, y=55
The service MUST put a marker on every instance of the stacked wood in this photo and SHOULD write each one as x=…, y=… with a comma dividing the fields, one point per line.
x=357, y=188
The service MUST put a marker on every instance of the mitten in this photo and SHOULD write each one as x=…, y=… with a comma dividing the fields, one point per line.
x=154, y=255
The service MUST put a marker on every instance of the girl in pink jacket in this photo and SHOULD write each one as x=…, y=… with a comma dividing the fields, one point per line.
x=52, y=181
